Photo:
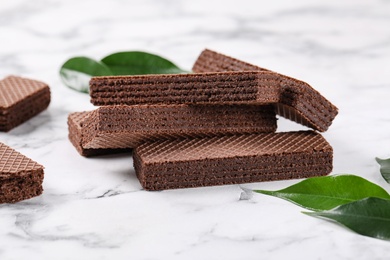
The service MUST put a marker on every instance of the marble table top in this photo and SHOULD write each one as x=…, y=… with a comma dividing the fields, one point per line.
x=96, y=209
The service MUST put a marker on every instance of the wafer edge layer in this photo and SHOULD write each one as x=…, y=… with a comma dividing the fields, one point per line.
x=199, y=180
x=21, y=187
x=214, y=87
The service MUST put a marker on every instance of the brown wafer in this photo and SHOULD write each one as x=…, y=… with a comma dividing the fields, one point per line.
x=197, y=88
x=129, y=126
x=75, y=126
x=171, y=164
x=20, y=177
x=298, y=102
x=20, y=100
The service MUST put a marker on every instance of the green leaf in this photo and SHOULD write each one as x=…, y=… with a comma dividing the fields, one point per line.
x=323, y=193
x=139, y=63
x=368, y=217
x=76, y=72
x=385, y=168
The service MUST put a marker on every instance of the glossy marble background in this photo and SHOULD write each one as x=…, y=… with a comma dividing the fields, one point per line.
x=95, y=208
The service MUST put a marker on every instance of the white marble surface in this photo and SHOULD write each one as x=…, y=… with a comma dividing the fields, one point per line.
x=95, y=208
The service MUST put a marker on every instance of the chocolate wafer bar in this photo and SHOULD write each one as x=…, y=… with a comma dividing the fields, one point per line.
x=197, y=162
x=298, y=102
x=197, y=88
x=20, y=177
x=20, y=100
x=75, y=126
x=129, y=126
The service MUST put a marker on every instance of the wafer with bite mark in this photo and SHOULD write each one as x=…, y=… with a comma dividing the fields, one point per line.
x=298, y=102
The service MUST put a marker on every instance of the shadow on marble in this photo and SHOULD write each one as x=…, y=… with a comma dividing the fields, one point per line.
x=40, y=121
x=112, y=156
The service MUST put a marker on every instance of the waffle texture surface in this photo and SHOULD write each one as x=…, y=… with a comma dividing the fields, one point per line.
x=20, y=177
x=232, y=159
x=129, y=126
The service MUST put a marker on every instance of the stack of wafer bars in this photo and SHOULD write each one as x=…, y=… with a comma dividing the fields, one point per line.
x=212, y=127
